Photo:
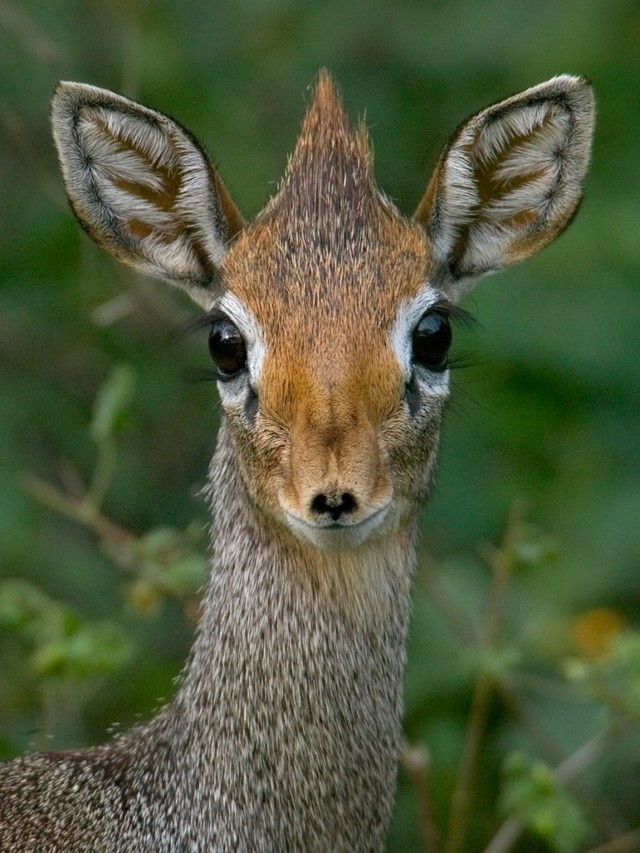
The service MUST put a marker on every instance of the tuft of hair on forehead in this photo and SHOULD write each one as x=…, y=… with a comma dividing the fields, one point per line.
x=329, y=177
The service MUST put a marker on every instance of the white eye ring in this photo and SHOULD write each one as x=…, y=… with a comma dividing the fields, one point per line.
x=407, y=319
x=249, y=328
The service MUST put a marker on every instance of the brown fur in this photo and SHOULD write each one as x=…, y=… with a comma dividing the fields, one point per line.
x=284, y=733
x=325, y=267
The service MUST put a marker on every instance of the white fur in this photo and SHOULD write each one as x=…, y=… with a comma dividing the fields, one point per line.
x=407, y=318
x=530, y=153
x=115, y=156
x=234, y=392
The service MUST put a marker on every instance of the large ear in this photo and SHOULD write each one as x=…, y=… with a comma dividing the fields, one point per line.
x=509, y=182
x=142, y=187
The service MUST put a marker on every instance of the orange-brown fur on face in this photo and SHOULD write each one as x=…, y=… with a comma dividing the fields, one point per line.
x=324, y=269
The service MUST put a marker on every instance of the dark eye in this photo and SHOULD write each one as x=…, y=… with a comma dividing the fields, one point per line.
x=431, y=341
x=227, y=348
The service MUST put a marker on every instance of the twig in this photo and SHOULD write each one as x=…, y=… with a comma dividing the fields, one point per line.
x=501, y=561
x=629, y=842
x=572, y=766
x=504, y=839
x=103, y=472
x=587, y=754
x=456, y=618
x=524, y=712
x=416, y=761
x=33, y=38
x=83, y=511
x=607, y=821
x=20, y=139
x=116, y=540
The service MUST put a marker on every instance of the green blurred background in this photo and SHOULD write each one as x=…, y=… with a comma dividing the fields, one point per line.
x=547, y=410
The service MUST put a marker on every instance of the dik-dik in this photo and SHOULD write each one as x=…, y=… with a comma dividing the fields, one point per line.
x=329, y=322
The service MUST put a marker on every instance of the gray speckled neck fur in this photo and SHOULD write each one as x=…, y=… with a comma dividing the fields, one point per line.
x=285, y=731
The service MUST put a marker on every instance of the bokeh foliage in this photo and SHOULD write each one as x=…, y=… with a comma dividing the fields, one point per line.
x=548, y=411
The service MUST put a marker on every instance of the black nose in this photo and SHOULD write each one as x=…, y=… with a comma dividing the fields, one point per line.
x=333, y=505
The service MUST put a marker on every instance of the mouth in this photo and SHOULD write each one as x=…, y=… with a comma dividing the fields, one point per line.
x=338, y=535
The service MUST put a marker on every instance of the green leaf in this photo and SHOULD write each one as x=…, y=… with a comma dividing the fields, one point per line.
x=536, y=549
x=613, y=679
x=62, y=645
x=167, y=563
x=94, y=649
x=532, y=794
x=112, y=401
x=187, y=574
x=21, y=603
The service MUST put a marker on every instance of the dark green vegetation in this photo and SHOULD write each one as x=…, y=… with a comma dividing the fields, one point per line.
x=522, y=659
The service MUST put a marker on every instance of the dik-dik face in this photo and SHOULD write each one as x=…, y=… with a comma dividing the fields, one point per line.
x=330, y=315
x=332, y=355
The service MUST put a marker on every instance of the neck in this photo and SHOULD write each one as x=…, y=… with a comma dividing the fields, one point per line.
x=292, y=699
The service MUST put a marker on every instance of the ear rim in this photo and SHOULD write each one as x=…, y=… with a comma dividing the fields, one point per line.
x=68, y=101
x=575, y=93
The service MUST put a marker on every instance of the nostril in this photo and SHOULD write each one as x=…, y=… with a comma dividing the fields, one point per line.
x=334, y=505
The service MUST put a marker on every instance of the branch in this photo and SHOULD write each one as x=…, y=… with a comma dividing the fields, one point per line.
x=416, y=761
x=84, y=512
x=572, y=766
x=627, y=843
x=501, y=561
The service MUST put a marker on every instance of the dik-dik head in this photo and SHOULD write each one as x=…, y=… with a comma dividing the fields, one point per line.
x=330, y=314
